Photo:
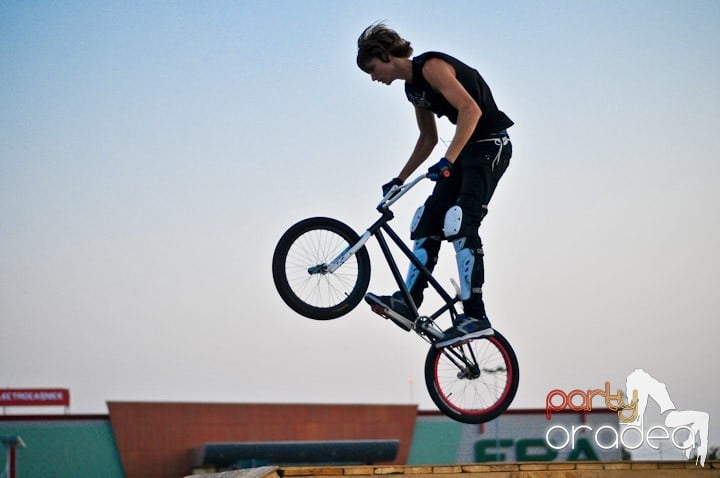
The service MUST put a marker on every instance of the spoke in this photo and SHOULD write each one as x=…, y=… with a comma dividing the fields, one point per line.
x=478, y=394
x=318, y=247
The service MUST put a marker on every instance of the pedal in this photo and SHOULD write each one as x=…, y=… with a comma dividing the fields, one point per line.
x=388, y=314
x=380, y=310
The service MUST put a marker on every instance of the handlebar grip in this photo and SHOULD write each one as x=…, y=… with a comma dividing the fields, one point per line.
x=445, y=173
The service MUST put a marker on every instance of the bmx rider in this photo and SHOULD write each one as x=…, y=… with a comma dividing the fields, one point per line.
x=439, y=85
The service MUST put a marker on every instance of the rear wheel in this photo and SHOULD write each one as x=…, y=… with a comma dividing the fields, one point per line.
x=300, y=269
x=473, y=382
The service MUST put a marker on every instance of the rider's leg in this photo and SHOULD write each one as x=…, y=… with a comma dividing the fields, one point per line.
x=462, y=231
x=469, y=258
x=426, y=230
x=481, y=166
x=426, y=248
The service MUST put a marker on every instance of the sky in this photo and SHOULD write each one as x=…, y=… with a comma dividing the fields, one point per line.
x=151, y=155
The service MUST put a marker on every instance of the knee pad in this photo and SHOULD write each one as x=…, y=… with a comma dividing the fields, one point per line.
x=426, y=250
x=468, y=254
x=465, y=264
x=422, y=256
x=453, y=222
x=416, y=218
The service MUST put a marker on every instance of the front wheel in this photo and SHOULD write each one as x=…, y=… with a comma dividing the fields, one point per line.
x=473, y=382
x=300, y=272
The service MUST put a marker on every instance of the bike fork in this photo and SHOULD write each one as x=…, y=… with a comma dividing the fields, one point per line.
x=467, y=365
x=347, y=253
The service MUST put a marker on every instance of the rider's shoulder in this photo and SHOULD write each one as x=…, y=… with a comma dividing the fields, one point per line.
x=433, y=56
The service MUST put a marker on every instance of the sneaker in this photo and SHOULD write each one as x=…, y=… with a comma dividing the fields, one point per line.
x=392, y=307
x=467, y=328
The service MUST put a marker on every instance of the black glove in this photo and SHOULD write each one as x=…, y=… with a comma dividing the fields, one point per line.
x=387, y=187
x=439, y=170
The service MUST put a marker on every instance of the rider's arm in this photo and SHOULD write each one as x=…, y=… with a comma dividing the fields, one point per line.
x=441, y=76
x=425, y=144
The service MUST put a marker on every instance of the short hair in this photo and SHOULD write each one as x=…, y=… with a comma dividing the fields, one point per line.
x=379, y=41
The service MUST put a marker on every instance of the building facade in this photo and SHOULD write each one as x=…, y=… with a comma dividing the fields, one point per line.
x=157, y=440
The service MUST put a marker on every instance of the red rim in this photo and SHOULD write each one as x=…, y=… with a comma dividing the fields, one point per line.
x=501, y=399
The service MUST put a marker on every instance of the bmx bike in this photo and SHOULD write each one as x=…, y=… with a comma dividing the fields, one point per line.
x=321, y=270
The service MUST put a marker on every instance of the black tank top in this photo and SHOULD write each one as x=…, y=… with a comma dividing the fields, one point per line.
x=421, y=94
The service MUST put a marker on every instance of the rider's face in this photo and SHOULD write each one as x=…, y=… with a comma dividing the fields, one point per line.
x=381, y=71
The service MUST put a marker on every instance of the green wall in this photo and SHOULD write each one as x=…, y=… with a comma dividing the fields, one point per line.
x=435, y=442
x=67, y=449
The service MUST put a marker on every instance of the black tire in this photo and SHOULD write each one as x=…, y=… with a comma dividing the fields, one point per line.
x=484, y=392
x=320, y=295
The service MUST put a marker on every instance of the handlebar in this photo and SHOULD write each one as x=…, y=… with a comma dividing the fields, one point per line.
x=396, y=192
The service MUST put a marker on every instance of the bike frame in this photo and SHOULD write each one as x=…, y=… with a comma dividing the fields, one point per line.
x=378, y=229
x=310, y=277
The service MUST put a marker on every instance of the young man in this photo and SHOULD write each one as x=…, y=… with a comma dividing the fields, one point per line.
x=478, y=155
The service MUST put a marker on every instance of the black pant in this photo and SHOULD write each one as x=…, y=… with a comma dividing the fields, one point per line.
x=472, y=182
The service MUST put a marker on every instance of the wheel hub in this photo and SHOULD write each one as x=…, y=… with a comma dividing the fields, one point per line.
x=469, y=373
x=318, y=269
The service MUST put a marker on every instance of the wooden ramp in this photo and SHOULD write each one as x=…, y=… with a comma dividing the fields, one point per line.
x=635, y=469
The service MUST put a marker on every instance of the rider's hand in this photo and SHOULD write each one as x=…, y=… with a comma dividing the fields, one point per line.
x=439, y=170
x=387, y=187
